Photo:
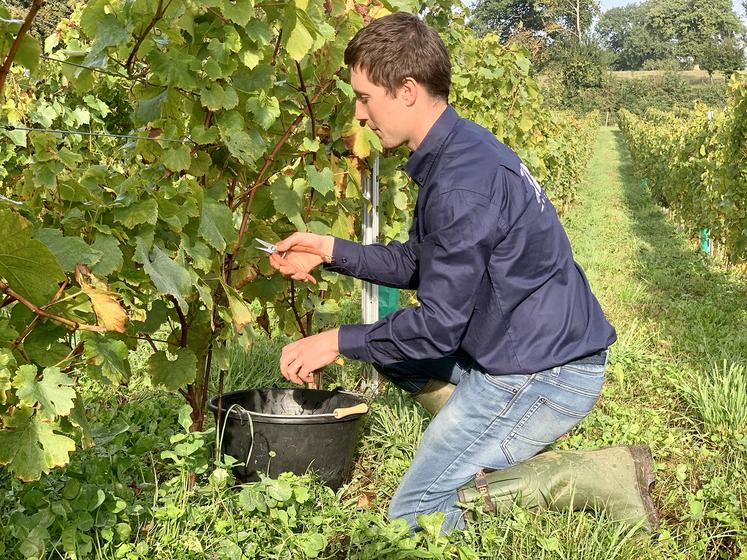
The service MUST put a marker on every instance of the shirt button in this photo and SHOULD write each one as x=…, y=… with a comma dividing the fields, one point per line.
x=344, y=260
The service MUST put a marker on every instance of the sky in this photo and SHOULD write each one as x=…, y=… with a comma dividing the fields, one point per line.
x=607, y=4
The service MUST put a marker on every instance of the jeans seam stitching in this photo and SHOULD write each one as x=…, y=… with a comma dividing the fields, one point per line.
x=571, y=388
x=456, y=459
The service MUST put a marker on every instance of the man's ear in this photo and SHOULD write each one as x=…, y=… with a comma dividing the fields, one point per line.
x=409, y=91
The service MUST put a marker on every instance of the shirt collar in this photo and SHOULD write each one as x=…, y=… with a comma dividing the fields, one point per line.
x=419, y=164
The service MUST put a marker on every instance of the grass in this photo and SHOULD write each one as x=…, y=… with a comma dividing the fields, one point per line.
x=676, y=382
x=691, y=76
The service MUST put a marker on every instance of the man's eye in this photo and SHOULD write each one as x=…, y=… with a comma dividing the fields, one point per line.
x=363, y=100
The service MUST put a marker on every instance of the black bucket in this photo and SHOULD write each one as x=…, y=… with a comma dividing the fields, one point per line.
x=299, y=425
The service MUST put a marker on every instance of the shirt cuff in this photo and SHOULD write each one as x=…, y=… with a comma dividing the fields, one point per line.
x=351, y=342
x=344, y=254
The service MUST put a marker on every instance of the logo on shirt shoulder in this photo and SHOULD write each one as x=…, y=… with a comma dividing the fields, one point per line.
x=538, y=192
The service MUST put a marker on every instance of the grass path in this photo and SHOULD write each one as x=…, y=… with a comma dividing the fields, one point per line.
x=676, y=315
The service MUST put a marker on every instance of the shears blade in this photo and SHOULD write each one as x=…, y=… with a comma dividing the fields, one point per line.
x=265, y=246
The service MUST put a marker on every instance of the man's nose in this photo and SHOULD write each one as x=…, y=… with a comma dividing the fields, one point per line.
x=360, y=112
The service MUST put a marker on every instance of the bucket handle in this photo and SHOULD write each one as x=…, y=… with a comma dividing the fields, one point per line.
x=361, y=408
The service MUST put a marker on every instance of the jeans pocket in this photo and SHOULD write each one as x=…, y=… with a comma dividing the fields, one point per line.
x=513, y=387
x=544, y=422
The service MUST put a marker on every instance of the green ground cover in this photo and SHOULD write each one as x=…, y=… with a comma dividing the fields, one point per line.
x=676, y=382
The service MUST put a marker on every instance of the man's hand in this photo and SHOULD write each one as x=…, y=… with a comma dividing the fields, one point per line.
x=299, y=360
x=300, y=253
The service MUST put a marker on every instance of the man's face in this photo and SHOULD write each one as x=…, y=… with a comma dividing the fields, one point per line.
x=383, y=113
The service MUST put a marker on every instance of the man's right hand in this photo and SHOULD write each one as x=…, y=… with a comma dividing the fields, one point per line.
x=300, y=253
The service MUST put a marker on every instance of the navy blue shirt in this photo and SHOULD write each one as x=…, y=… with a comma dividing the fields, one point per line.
x=491, y=263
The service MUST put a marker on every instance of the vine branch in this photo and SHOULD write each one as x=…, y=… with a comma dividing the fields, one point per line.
x=41, y=312
x=305, y=93
x=5, y=69
x=160, y=12
x=299, y=319
x=182, y=322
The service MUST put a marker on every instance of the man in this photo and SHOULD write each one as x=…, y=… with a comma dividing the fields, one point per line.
x=508, y=341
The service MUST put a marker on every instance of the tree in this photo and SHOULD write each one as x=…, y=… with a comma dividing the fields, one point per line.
x=506, y=17
x=690, y=25
x=624, y=32
x=547, y=19
x=727, y=57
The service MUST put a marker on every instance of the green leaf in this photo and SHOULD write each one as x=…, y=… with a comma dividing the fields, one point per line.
x=106, y=358
x=111, y=256
x=176, y=159
x=149, y=109
x=27, y=265
x=68, y=250
x=144, y=212
x=30, y=446
x=265, y=109
x=43, y=344
x=203, y=135
x=286, y=199
x=216, y=224
x=343, y=226
x=167, y=275
x=28, y=53
x=300, y=41
x=321, y=181
x=247, y=147
x=172, y=374
x=312, y=544
x=252, y=499
x=250, y=58
x=54, y=392
x=240, y=11
x=174, y=68
x=215, y=97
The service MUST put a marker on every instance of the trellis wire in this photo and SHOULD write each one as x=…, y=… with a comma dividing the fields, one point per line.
x=11, y=127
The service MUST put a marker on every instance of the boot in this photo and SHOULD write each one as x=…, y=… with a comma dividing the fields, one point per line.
x=616, y=479
x=434, y=395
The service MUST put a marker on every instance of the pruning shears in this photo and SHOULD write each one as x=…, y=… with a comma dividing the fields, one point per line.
x=268, y=248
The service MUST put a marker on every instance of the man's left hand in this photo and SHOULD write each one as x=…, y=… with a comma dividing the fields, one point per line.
x=299, y=360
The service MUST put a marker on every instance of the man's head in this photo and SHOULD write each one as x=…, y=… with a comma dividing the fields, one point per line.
x=400, y=71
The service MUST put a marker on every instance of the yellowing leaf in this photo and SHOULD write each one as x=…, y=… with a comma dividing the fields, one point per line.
x=109, y=313
x=241, y=313
x=361, y=139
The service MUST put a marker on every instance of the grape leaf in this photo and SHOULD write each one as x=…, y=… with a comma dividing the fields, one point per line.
x=321, y=181
x=176, y=159
x=174, y=68
x=111, y=256
x=68, y=250
x=30, y=446
x=167, y=275
x=286, y=199
x=143, y=212
x=109, y=313
x=265, y=109
x=239, y=11
x=54, y=392
x=172, y=374
x=216, y=224
x=27, y=264
x=300, y=41
x=28, y=53
x=106, y=358
x=241, y=313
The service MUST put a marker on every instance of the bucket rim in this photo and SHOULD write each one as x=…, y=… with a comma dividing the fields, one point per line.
x=212, y=404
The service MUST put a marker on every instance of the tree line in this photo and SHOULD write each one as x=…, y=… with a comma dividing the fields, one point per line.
x=654, y=34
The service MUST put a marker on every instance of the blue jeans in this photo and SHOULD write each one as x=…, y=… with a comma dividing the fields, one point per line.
x=490, y=421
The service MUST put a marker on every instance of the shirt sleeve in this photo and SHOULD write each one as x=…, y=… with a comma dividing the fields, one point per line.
x=394, y=264
x=453, y=259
